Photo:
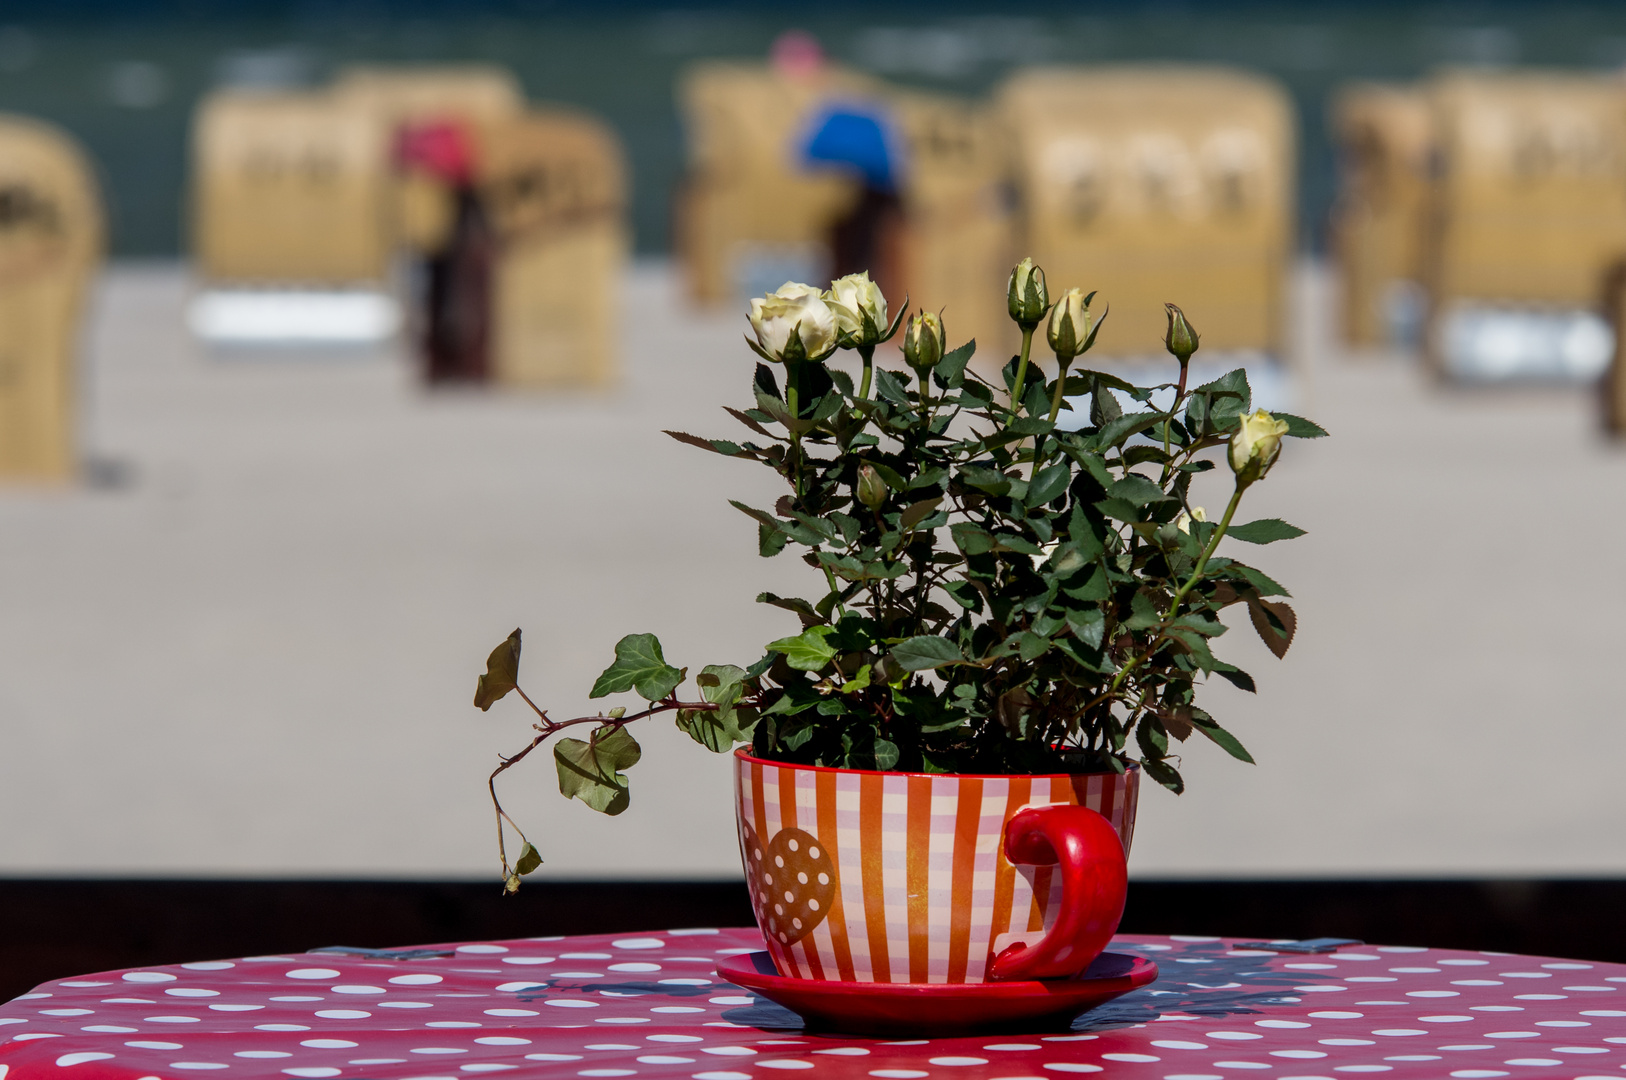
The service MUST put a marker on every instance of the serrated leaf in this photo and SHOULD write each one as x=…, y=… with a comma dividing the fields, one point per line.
x=1088, y=625
x=1236, y=677
x=925, y=652
x=1047, y=484
x=991, y=481
x=1275, y=623
x=1264, y=531
x=1265, y=585
x=638, y=666
x=1300, y=428
x=950, y=371
x=1142, y=613
x=591, y=771
x=1164, y=774
x=1118, y=509
x=1116, y=431
x=970, y=539
x=807, y=651
x=716, y=446
x=502, y=673
x=1137, y=491
x=917, y=513
x=1226, y=741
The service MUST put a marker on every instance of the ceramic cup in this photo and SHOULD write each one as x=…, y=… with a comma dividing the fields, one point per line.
x=863, y=876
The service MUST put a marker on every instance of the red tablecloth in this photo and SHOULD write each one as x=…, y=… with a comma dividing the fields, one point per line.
x=650, y=1005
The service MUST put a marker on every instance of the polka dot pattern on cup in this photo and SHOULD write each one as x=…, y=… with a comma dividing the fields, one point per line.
x=652, y=1006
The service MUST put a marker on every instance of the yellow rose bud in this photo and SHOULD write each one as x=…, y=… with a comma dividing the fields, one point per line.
x=1183, y=522
x=1026, y=297
x=871, y=488
x=1069, y=329
x=1255, y=446
x=923, y=341
x=859, y=308
x=1181, y=340
x=794, y=323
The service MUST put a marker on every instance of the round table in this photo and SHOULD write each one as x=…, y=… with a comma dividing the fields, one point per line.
x=651, y=1005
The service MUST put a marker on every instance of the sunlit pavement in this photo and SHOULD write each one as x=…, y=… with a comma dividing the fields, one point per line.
x=249, y=643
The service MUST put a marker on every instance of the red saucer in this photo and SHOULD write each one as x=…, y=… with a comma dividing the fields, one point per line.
x=868, y=1008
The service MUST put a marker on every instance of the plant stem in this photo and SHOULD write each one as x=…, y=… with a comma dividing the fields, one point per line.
x=1174, y=406
x=1202, y=561
x=1056, y=398
x=793, y=407
x=1021, y=371
x=1055, y=411
x=1174, y=605
x=868, y=354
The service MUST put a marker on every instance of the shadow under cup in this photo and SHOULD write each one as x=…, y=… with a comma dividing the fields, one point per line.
x=862, y=876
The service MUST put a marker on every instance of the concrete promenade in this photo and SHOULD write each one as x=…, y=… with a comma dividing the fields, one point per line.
x=249, y=647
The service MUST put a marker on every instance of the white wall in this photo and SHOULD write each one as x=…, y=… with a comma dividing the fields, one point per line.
x=257, y=657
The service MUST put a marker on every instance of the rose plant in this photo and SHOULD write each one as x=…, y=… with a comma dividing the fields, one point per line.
x=995, y=591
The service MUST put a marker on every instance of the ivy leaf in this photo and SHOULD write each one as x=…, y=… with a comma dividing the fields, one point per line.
x=591, y=771
x=529, y=859
x=502, y=673
x=925, y=652
x=886, y=753
x=638, y=666
x=807, y=651
x=1264, y=531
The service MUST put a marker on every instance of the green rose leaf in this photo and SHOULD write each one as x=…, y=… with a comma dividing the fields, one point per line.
x=1264, y=531
x=1047, y=485
x=591, y=771
x=950, y=371
x=1228, y=742
x=807, y=651
x=638, y=666
x=1137, y=491
x=926, y=652
x=1300, y=428
x=502, y=673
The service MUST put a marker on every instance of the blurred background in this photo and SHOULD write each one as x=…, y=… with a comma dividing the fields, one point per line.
x=336, y=341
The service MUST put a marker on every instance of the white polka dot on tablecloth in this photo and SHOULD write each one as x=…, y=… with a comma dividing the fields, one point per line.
x=479, y=949
x=311, y=973
x=417, y=979
x=80, y=1058
x=144, y=977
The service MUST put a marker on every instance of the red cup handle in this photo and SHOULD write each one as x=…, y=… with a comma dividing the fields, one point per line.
x=1094, y=881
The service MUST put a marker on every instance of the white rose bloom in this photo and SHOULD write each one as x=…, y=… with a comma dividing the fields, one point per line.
x=1256, y=444
x=794, y=308
x=851, y=298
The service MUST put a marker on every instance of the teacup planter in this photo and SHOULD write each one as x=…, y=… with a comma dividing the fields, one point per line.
x=1010, y=623
x=863, y=876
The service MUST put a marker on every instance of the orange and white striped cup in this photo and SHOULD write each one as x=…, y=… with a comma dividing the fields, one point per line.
x=863, y=876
